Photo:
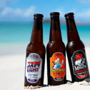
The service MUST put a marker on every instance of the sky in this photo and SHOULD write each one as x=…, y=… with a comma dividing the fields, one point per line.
x=23, y=10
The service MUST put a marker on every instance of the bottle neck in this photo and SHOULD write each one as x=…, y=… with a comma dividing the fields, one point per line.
x=55, y=31
x=37, y=32
x=72, y=32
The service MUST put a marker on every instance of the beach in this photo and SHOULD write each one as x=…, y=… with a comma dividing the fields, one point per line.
x=12, y=74
x=15, y=38
x=17, y=20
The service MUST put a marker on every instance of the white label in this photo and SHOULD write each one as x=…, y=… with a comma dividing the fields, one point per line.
x=33, y=67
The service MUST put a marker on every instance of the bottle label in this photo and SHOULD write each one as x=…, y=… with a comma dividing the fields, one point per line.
x=79, y=64
x=57, y=66
x=33, y=67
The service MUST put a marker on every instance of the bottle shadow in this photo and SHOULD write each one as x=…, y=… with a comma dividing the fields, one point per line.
x=87, y=80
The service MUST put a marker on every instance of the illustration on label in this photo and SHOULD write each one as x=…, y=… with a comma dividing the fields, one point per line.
x=79, y=64
x=33, y=67
x=57, y=66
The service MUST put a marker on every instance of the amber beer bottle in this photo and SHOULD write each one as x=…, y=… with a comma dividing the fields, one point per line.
x=35, y=54
x=56, y=53
x=75, y=51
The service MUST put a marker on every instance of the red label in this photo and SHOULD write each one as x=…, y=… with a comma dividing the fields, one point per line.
x=82, y=76
x=57, y=66
x=81, y=71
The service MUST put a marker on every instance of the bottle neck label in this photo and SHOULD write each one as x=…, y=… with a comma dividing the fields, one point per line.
x=79, y=64
x=57, y=66
x=33, y=68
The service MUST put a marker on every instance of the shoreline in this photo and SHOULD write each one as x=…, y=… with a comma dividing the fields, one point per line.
x=19, y=48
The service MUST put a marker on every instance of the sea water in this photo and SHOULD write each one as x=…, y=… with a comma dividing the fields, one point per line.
x=15, y=36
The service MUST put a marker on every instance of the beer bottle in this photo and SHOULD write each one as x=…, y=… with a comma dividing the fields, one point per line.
x=56, y=53
x=75, y=51
x=35, y=54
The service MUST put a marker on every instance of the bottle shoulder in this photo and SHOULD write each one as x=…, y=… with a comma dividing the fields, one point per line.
x=55, y=46
x=75, y=45
x=35, y=47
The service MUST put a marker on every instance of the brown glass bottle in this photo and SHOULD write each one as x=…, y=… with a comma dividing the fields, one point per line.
x=75, y=51
x=35, y=55
x=56, y=53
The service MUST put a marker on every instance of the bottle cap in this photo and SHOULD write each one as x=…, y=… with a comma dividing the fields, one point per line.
x=38, y=15
x=69, y=14
x=54, y=14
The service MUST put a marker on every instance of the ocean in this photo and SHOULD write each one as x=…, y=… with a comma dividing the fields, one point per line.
x=15, y=36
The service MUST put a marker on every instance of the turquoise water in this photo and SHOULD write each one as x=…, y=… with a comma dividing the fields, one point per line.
x=15, y=36
x=21, y=32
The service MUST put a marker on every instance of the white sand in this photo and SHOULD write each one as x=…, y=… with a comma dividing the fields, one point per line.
x=12, y=75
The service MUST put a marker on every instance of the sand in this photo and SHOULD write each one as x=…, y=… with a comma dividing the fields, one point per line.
x=12, y=75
